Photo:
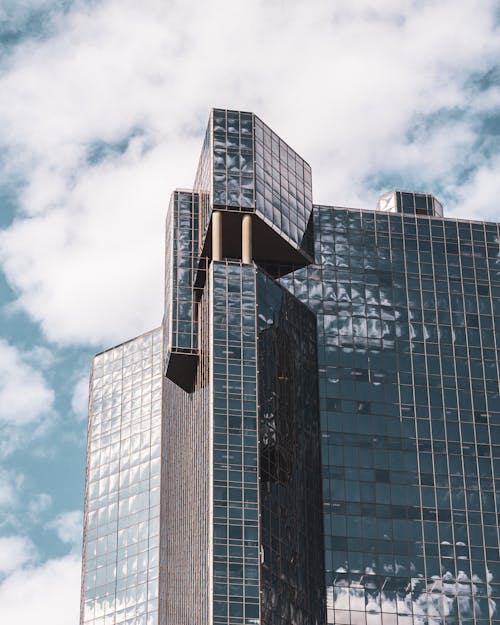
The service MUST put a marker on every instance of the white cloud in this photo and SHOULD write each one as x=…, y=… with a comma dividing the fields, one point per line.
x=26, y=400
x=7, y=489
x=365, y=94
x=15, y=551
x=24, y=393
x=17, y=10
x=79, y=401
x=69, y=527
x=47, y=594
x=39, y=504
x=11, y=485
x=40, y=356
x=6, y=492
x=479, y=197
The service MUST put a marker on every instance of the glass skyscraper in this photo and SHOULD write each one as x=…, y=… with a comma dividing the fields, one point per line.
x=312, y=435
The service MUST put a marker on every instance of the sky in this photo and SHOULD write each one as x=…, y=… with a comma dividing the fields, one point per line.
x=103, y=107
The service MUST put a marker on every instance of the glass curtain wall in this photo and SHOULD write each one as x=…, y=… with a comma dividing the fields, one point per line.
x=122, y=503
x=408, y=323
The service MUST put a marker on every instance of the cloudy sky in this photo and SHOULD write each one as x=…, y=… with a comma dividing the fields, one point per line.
x=103, y=105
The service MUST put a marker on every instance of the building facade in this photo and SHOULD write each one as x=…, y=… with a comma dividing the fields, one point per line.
x=312, y=435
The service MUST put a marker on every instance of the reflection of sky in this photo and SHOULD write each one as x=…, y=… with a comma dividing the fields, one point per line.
x=123, y=482
x=448, y=596
x=373, y=320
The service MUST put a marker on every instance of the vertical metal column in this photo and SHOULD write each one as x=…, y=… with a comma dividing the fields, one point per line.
x=216, y=235
x=246, y=239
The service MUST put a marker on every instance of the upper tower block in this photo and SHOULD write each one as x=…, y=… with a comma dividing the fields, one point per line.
x=245, y=168
x=410, y=203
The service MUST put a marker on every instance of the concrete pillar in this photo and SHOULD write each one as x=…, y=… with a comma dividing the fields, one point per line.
x=246, y=239
x=216, y=235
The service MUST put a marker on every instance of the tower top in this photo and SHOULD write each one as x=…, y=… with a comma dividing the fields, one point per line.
x=410, y=203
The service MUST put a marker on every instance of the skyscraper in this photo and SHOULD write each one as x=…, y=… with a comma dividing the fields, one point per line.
x=313, y=434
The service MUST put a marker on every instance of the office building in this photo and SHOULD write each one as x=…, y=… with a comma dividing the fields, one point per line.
x=312, y=435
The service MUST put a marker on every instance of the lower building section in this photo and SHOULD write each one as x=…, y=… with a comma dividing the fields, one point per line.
x=185, y=540
x=122, y=503
x=235, y=454
x=406, y=308
x=340, y=444
x=291, y=528
x=241, y=532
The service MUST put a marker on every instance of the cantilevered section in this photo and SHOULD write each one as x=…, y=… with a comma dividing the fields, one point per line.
x=245, y=168
x=251, y=201
x=181, y=323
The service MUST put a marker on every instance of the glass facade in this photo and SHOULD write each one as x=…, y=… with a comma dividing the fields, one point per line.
x=290, y=466
x=330, y=451
x=235, y=445
x=122, y=502
x=407, y=311
x=181, y=253
x=283, y=183
x=245, y=167
x=202, y=186
x=233, y=171
x=410, y=203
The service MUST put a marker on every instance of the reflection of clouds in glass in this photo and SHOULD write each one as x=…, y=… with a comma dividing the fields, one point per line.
x=417, y=603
